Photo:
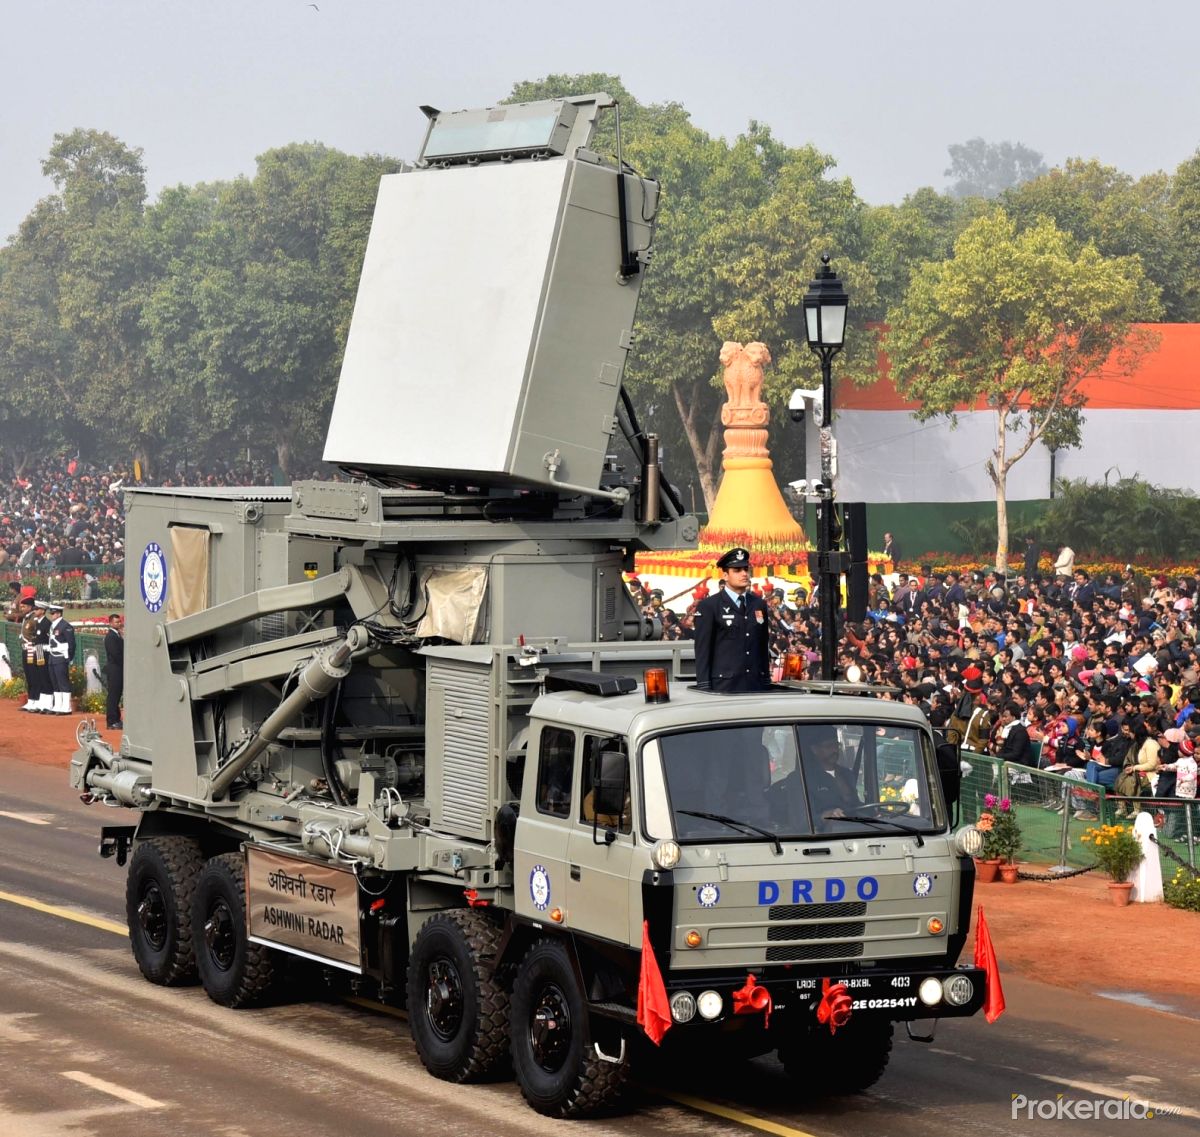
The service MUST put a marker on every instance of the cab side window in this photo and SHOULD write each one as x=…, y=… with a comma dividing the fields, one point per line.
x=605, y=755
x=556, y=765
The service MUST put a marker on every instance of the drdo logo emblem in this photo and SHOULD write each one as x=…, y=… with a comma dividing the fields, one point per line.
x=708, y=896
x=154, y=577
x=539, y=887
x=922, y=884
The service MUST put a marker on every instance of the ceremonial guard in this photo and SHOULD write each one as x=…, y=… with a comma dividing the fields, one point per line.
x=61, y=650
x=733, y=632
x=32, y=660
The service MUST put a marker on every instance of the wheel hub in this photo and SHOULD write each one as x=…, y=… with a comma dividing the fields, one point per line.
x=444, y=999
x=152, y=916
x=550, y=1028
x=219, y=936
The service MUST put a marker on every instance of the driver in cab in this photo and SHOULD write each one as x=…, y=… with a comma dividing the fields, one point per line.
x=831, y=786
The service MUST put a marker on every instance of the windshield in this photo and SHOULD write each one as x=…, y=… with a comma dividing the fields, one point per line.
x=790, y=780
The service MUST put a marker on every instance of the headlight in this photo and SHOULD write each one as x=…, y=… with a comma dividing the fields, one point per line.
x=665, y=855
x=968, y=841
x=958, y=990
x=930, y=991
x=709, y=1005
x=683, y=1006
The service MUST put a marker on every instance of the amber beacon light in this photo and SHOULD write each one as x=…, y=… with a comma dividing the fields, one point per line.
x=655, y=679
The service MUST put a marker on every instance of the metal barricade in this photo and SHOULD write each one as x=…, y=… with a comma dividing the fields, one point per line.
x=1055, y=810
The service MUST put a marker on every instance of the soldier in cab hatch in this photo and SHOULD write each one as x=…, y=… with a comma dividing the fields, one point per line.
x=732, y=632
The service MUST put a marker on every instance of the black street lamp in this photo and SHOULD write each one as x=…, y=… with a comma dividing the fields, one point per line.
x=825, y=306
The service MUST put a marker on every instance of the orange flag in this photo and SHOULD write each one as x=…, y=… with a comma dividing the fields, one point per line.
x=653, y=1012
x=985, y=957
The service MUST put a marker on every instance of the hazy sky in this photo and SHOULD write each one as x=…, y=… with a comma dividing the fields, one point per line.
x=884, y=87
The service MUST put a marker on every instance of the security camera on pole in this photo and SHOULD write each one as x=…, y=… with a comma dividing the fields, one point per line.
x=825, y=305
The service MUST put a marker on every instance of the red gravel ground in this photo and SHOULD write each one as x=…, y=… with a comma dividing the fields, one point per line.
x=1065, y=933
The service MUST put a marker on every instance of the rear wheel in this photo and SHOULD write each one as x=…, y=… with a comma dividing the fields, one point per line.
x=848, y=1062
x=158, y=908
x=457, y=1010
x=558, y=1067
x=235, y=972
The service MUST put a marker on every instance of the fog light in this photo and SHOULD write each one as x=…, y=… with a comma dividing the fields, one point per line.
x=683, y=1007
x=665, y=855
x=934, y=925
x=709, y=1005
x=930, y=991
x=958, y=990
x=968, y=841
x=693, y=938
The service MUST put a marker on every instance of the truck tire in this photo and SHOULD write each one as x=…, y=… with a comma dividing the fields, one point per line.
x=158, y=908
x=457, y=1010
x=234, y=972
x=848, y=1062
x=553, y=1051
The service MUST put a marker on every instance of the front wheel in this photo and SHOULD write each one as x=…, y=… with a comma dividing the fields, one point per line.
x=457, y=1011
x=559, y=1069
x=848, y=1062
x=235, y=972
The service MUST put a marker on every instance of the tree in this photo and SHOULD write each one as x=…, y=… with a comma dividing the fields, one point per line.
x=1017, y=320
x=1185, y=236
x=986, y=169
x=35, y=352
x=1120, y=215
x=248, y=321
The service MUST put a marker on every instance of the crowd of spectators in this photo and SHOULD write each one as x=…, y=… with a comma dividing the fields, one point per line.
x=1095, y=679
x=61, y=514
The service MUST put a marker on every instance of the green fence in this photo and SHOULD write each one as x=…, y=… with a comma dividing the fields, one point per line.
x=87, y=643
x=1046, y=804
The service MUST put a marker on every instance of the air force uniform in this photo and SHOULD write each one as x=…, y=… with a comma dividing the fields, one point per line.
x=732, y=635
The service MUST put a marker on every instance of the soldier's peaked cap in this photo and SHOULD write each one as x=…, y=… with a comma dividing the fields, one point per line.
x=736, y=558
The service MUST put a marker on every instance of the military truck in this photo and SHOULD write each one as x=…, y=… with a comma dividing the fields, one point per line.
x=411, y=727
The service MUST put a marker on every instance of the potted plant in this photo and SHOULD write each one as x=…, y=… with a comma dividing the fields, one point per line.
x=1119, y=852
x=1001, y=835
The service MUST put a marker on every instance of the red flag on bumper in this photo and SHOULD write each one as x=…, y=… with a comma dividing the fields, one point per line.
x=985, y=957
x=653, y=1012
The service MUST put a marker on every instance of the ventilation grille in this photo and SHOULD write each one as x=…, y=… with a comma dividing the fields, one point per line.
x=795, y=953
x=817, y=911
x=460, y=700
x=816, y=931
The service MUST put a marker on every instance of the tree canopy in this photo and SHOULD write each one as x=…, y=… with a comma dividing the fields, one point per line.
x=217, y=314
x=987, y=169
x=1015, y=320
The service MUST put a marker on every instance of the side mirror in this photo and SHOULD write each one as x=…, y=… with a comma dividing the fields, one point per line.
x=609, y=783
x=949, y=772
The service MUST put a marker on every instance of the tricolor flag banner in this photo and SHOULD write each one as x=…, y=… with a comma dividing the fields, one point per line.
x=1140, y=424
x=985, y=957
x=653, y=1010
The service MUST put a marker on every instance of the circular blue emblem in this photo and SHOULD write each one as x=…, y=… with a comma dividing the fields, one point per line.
x=154, y=577
x=539, y=887
x=922, y=884
x=709, y=896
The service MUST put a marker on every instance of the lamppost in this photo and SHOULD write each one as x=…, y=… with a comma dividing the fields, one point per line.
x=825, y=305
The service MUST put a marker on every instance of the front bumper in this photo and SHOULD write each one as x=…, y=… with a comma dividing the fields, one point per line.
x=889, y=994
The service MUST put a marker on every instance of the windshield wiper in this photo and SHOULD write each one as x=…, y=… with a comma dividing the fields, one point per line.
x=887, y=821
x=737, y=823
